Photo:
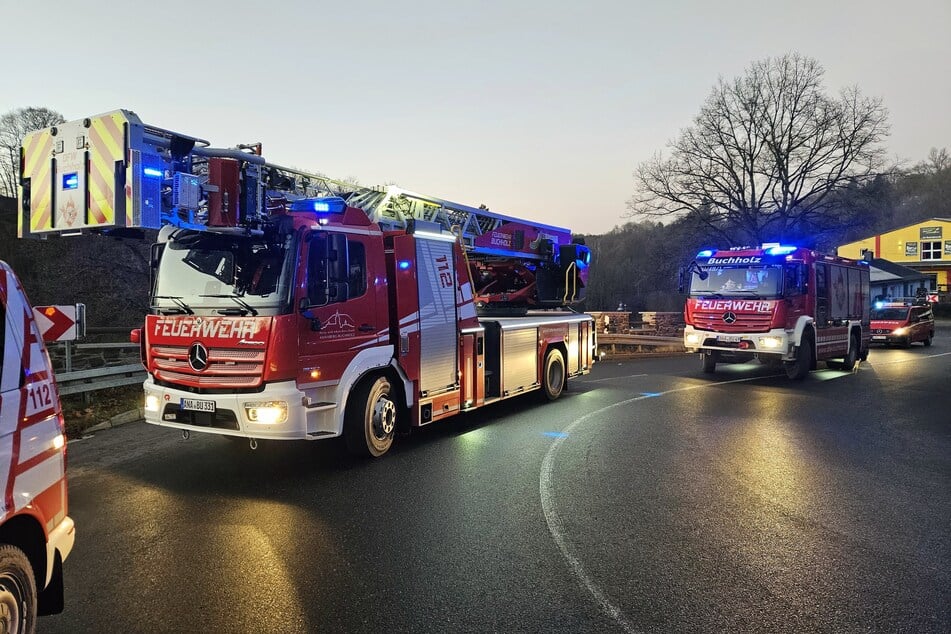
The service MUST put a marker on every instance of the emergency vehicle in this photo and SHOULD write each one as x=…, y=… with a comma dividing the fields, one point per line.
x=781, y=304
x=36, y=534
x=287, y=305
x=902, y=322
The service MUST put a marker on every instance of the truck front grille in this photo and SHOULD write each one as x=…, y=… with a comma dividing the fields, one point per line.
x=713, y=321
x=227, y=368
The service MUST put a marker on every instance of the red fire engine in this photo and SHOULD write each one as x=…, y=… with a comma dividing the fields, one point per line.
x=286, y=305
x=781, y=304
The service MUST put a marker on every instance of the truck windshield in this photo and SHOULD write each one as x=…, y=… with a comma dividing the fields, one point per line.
x=761, y=281
x=222, y=274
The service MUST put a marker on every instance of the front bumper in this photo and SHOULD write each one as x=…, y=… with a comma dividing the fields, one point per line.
x=306, y=420
x=775, y=343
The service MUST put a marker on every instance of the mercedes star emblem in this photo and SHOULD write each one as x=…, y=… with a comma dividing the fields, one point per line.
x=729, y=317
x=198, y=357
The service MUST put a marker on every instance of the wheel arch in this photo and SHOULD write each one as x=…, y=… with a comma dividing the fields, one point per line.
x=26, y=533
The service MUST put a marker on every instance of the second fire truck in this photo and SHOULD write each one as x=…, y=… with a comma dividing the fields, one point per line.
x=286, y=305
x=784, y=305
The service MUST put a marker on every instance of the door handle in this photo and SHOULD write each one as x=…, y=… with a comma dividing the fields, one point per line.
x=367, y=328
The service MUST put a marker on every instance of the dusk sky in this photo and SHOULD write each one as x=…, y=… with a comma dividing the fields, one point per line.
x=539, y=110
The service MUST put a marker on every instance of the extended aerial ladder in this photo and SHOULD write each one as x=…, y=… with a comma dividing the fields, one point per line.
x=112, y=173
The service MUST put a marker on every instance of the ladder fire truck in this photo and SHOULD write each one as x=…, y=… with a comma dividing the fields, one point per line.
x=287, y=305
x=784, y=305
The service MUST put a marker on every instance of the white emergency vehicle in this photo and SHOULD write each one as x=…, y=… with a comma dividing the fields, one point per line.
x=36, y=534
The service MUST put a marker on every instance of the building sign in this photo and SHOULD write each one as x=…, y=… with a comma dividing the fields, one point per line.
x=947, y=247
x=930, y=233
x=911, y=248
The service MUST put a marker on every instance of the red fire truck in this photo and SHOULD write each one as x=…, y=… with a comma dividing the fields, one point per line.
x=781, y=304
x=286, y=305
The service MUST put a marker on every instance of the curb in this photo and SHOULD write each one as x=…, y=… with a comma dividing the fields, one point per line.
x=131, y=416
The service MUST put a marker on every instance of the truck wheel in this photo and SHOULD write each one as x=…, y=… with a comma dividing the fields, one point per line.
x=370, y=419
x=853, y=356
x=553, y=378
x=927, y=342
x=708, y=362
x=799, y=368
x=17, y=591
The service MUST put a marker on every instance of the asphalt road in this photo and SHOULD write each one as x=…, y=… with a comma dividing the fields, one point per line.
x=651, y=497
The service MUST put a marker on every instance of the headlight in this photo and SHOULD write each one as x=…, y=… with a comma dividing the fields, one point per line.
x=151, y=403
x=770, y=342
x=693, y=338
x=900, y=331
x=266, y=413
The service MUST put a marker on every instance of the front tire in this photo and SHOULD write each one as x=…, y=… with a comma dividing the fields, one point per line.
x=927, y=342
x=798, y=369
x=554, y=376
x=370, y=421
x=708, y=362
x=17, y=592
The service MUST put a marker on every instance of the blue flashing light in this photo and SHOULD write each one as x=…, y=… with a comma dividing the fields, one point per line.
x=71, y=181
x=403, y=265
x=555, y=434
x=151, y=171
x=879, y=304
x=780, y=250
x=706, y=253
x=332, y=205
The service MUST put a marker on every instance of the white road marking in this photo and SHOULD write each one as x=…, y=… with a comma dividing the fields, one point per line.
x=555, y=525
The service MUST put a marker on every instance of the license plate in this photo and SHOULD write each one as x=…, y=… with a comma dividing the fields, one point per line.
x=878, y=337
x=729, y=338
x=195, y=405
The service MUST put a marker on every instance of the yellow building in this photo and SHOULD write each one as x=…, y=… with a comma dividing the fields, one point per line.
x=924, y=246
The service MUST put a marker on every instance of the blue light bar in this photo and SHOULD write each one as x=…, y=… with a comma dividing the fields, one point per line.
x=151, y=171
x=706, y=253
x=404, y=264
x=332, y=205
x=780, y=250
x=71, y=181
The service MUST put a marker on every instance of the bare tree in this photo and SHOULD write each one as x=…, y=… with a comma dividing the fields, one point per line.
x=15, y=125
x=766, y=155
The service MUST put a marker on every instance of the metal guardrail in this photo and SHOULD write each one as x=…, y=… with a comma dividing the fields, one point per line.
x=82, y=381
x=612, y=344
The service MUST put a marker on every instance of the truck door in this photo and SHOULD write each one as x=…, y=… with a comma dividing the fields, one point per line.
x=339, y=311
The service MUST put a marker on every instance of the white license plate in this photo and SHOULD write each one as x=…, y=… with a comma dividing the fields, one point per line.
x=195, y=405
x=728, y=338
x=878, y=337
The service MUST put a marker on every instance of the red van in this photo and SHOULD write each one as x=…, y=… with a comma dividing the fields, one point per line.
x=902, y=322
x=36, y=534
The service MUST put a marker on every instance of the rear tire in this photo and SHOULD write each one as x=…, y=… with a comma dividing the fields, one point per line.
x=554, y=376
x=17, y=591
x=370, y=421
x=798, y=369
x=708, y=362
x=848, y=364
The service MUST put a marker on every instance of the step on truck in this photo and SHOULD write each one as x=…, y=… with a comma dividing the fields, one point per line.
x=36, y=534
x=787, y=306
x=287, y=305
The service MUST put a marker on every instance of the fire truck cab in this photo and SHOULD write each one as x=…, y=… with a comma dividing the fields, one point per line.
x=36, y=534
x=784, y=305
x=902, y=322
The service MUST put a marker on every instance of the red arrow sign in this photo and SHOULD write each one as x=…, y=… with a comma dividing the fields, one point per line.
x=57, y=323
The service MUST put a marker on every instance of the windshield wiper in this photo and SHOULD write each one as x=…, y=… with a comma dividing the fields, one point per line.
x=744, y=290
x=183, y=307
x=248, y=308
